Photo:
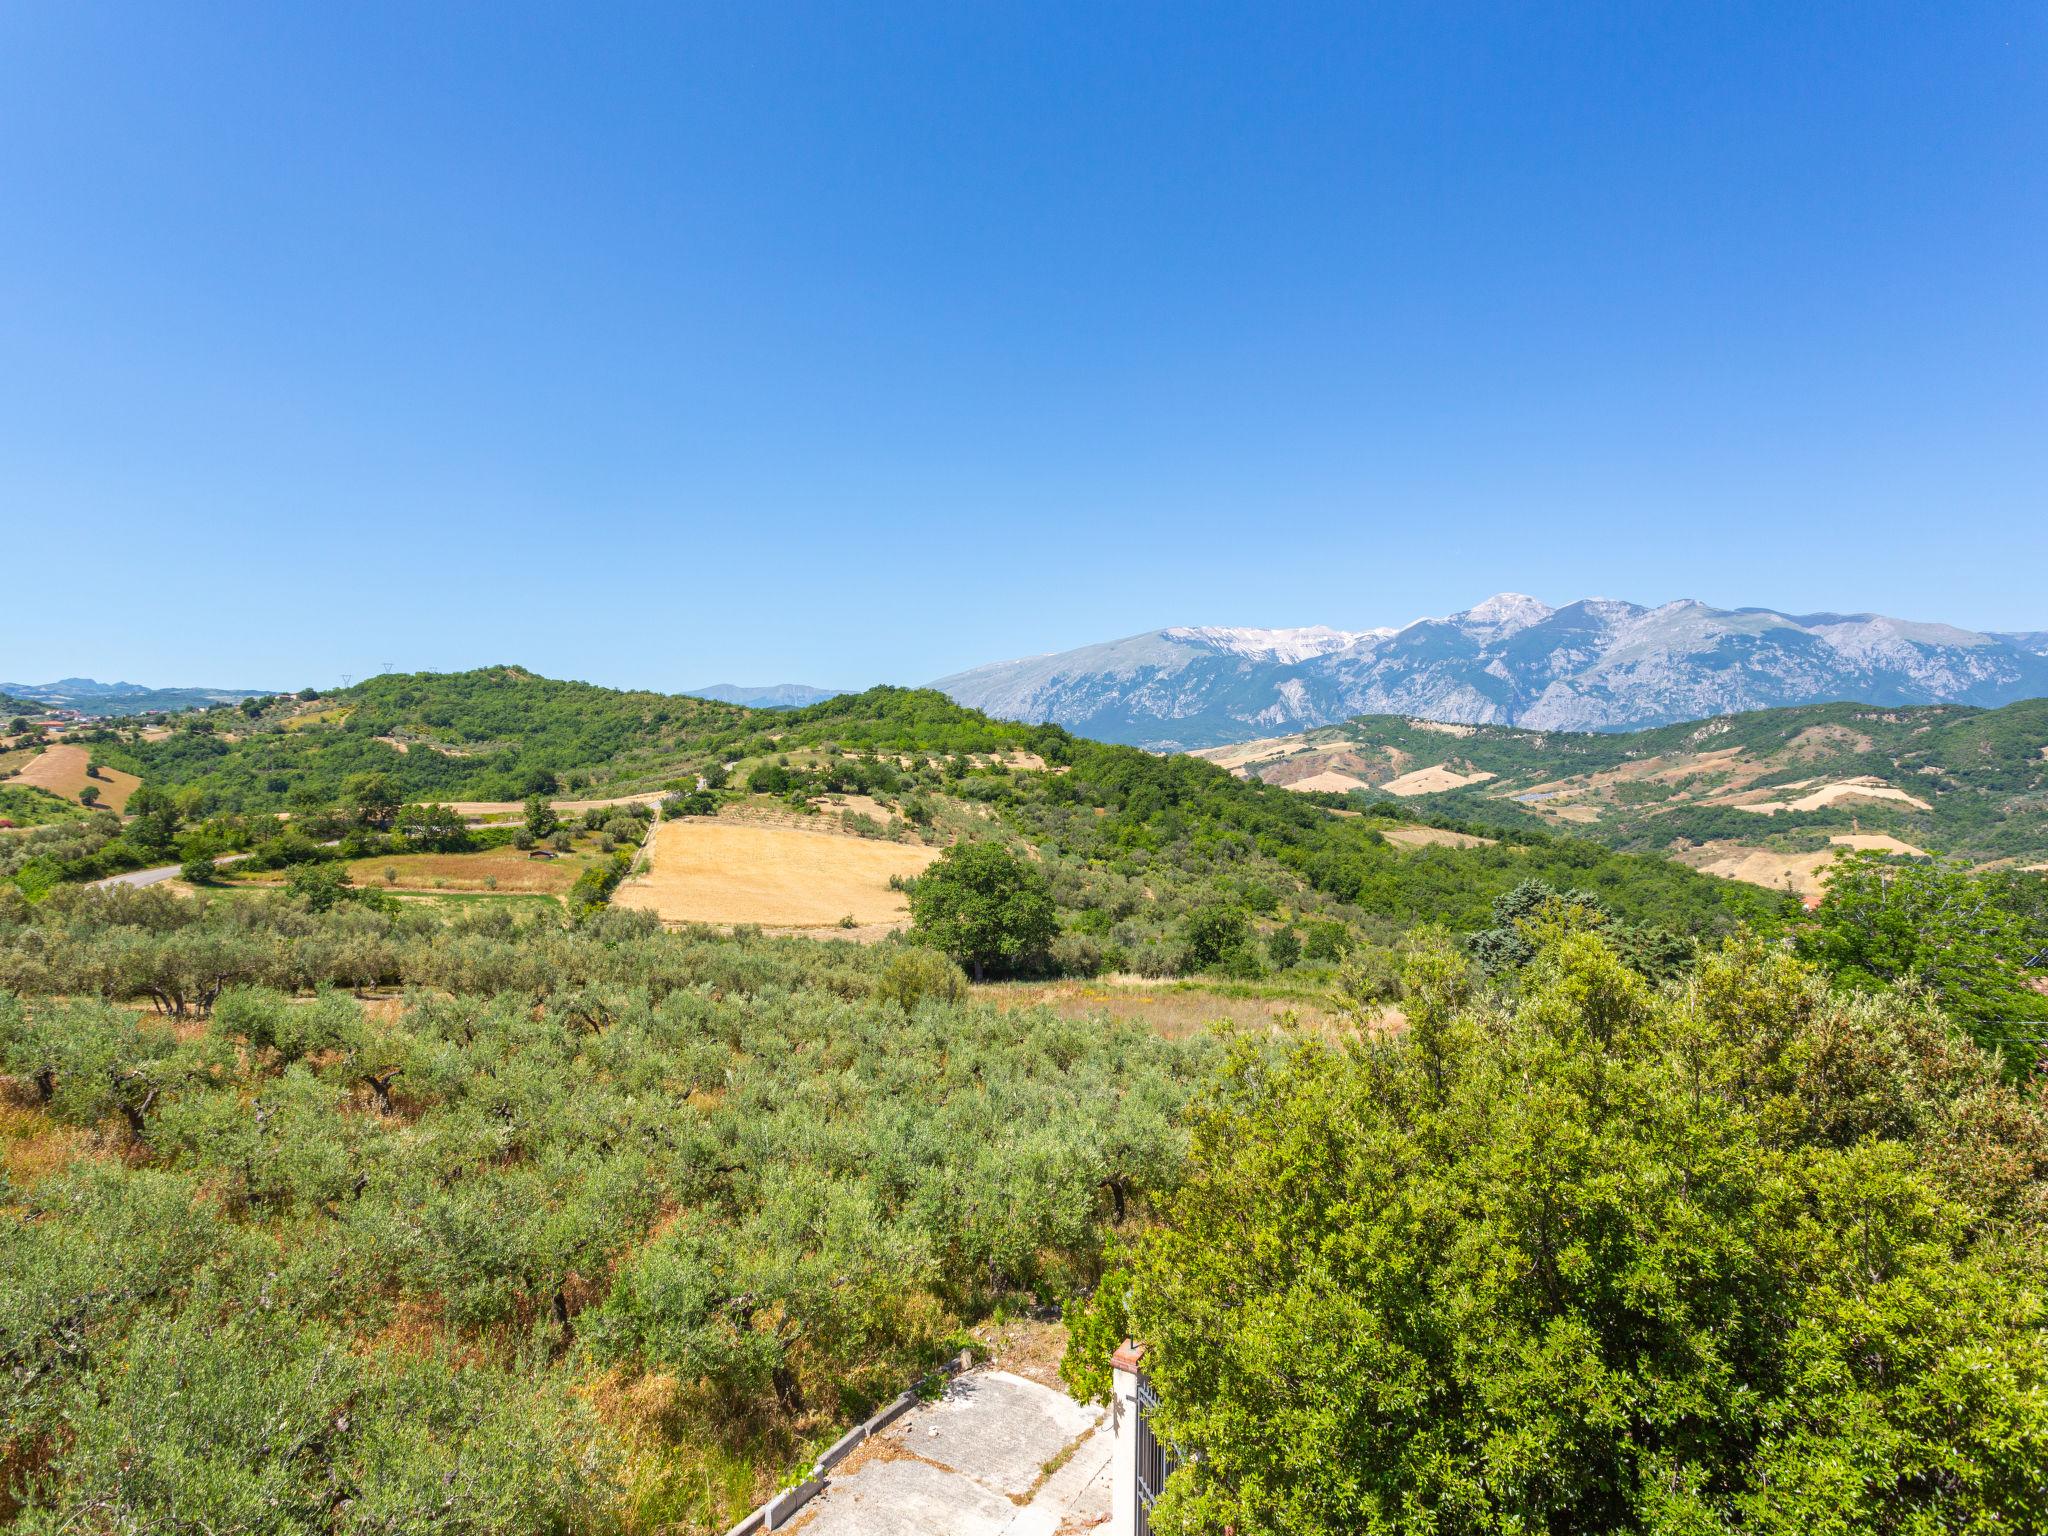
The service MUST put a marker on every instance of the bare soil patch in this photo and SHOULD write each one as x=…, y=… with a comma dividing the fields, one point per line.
x=61, y=770
x=719, y=871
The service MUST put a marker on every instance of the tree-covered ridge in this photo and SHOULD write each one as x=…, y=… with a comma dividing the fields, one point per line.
x=1141, y=850
x=1984, y=773
x=1740, y=1254
x=594, y=1232
x=500, y=733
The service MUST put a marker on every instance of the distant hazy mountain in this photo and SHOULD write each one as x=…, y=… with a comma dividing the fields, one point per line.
x=1597, y=665
x=767, y=696
x=95, y=698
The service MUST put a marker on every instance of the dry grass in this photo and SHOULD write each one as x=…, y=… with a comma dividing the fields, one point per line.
x=724, y=871
x=1425, y=837
x=1235, y=757
x=316, y=717
x=61, y=770
x=494, y=869
x=564, y=807
x=1804, y=874
x=33, y=1146
x=1442, y=727
x=1172, y=1011
x=1027, y=1346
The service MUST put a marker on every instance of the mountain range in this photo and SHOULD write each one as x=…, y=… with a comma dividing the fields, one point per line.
x=765, y=695
x=1598, y=664
x=90, y=697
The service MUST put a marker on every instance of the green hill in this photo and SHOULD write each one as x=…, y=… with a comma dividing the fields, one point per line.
x=1137, y=843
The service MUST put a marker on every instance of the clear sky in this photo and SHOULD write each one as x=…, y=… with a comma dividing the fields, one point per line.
x=667, y=345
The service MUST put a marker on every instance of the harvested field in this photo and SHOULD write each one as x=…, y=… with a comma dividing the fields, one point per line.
x=1805, y=874
x=719, y=871
x=1442, y=727
x=476, y=808
x=1834, y=794
x=61, y=770
x=1878, y=842
x=1245, y=752
x=1425, y=837
x=1433, y=781
x=1330, y=781
x=509, y=868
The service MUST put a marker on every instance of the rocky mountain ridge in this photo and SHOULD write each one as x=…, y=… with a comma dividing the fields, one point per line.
x=1598, y=664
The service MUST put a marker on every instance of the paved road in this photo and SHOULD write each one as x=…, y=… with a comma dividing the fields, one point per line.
x=157, y=876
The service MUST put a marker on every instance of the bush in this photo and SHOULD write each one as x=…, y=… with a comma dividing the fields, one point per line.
x=913, y=975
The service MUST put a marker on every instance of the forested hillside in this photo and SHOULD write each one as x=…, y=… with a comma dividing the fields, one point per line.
x=1138, y=848
x=1945, y=778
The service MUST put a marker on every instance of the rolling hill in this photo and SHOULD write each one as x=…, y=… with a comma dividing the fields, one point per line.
x=1593, y=665
x=1786, y=783
x=1147, y=838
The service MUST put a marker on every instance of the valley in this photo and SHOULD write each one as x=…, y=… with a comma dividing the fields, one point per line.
x=1766, y=796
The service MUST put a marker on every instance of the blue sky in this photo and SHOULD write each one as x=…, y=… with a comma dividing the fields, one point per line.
x=852, y=343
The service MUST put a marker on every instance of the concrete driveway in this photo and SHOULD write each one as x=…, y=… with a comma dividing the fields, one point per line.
x=997, y=1455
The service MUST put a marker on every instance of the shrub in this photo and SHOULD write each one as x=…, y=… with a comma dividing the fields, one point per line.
x=913, y=975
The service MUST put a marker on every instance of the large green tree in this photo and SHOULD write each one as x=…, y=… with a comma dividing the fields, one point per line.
x=984, y=906
x=1972, y=940
x=1746, y=1254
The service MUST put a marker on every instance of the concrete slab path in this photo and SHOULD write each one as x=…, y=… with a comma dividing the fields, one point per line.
x=997, y=1455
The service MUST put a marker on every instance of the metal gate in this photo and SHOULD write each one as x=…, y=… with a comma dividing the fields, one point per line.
x=1156, y=1458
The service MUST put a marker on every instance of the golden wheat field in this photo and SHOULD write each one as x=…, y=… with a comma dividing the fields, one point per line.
x=61, y=770
x=787, y=877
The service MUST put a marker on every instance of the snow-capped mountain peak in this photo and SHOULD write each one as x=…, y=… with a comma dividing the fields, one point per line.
x=1281, y=645
x=1506, y=612
x=1596, y=664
